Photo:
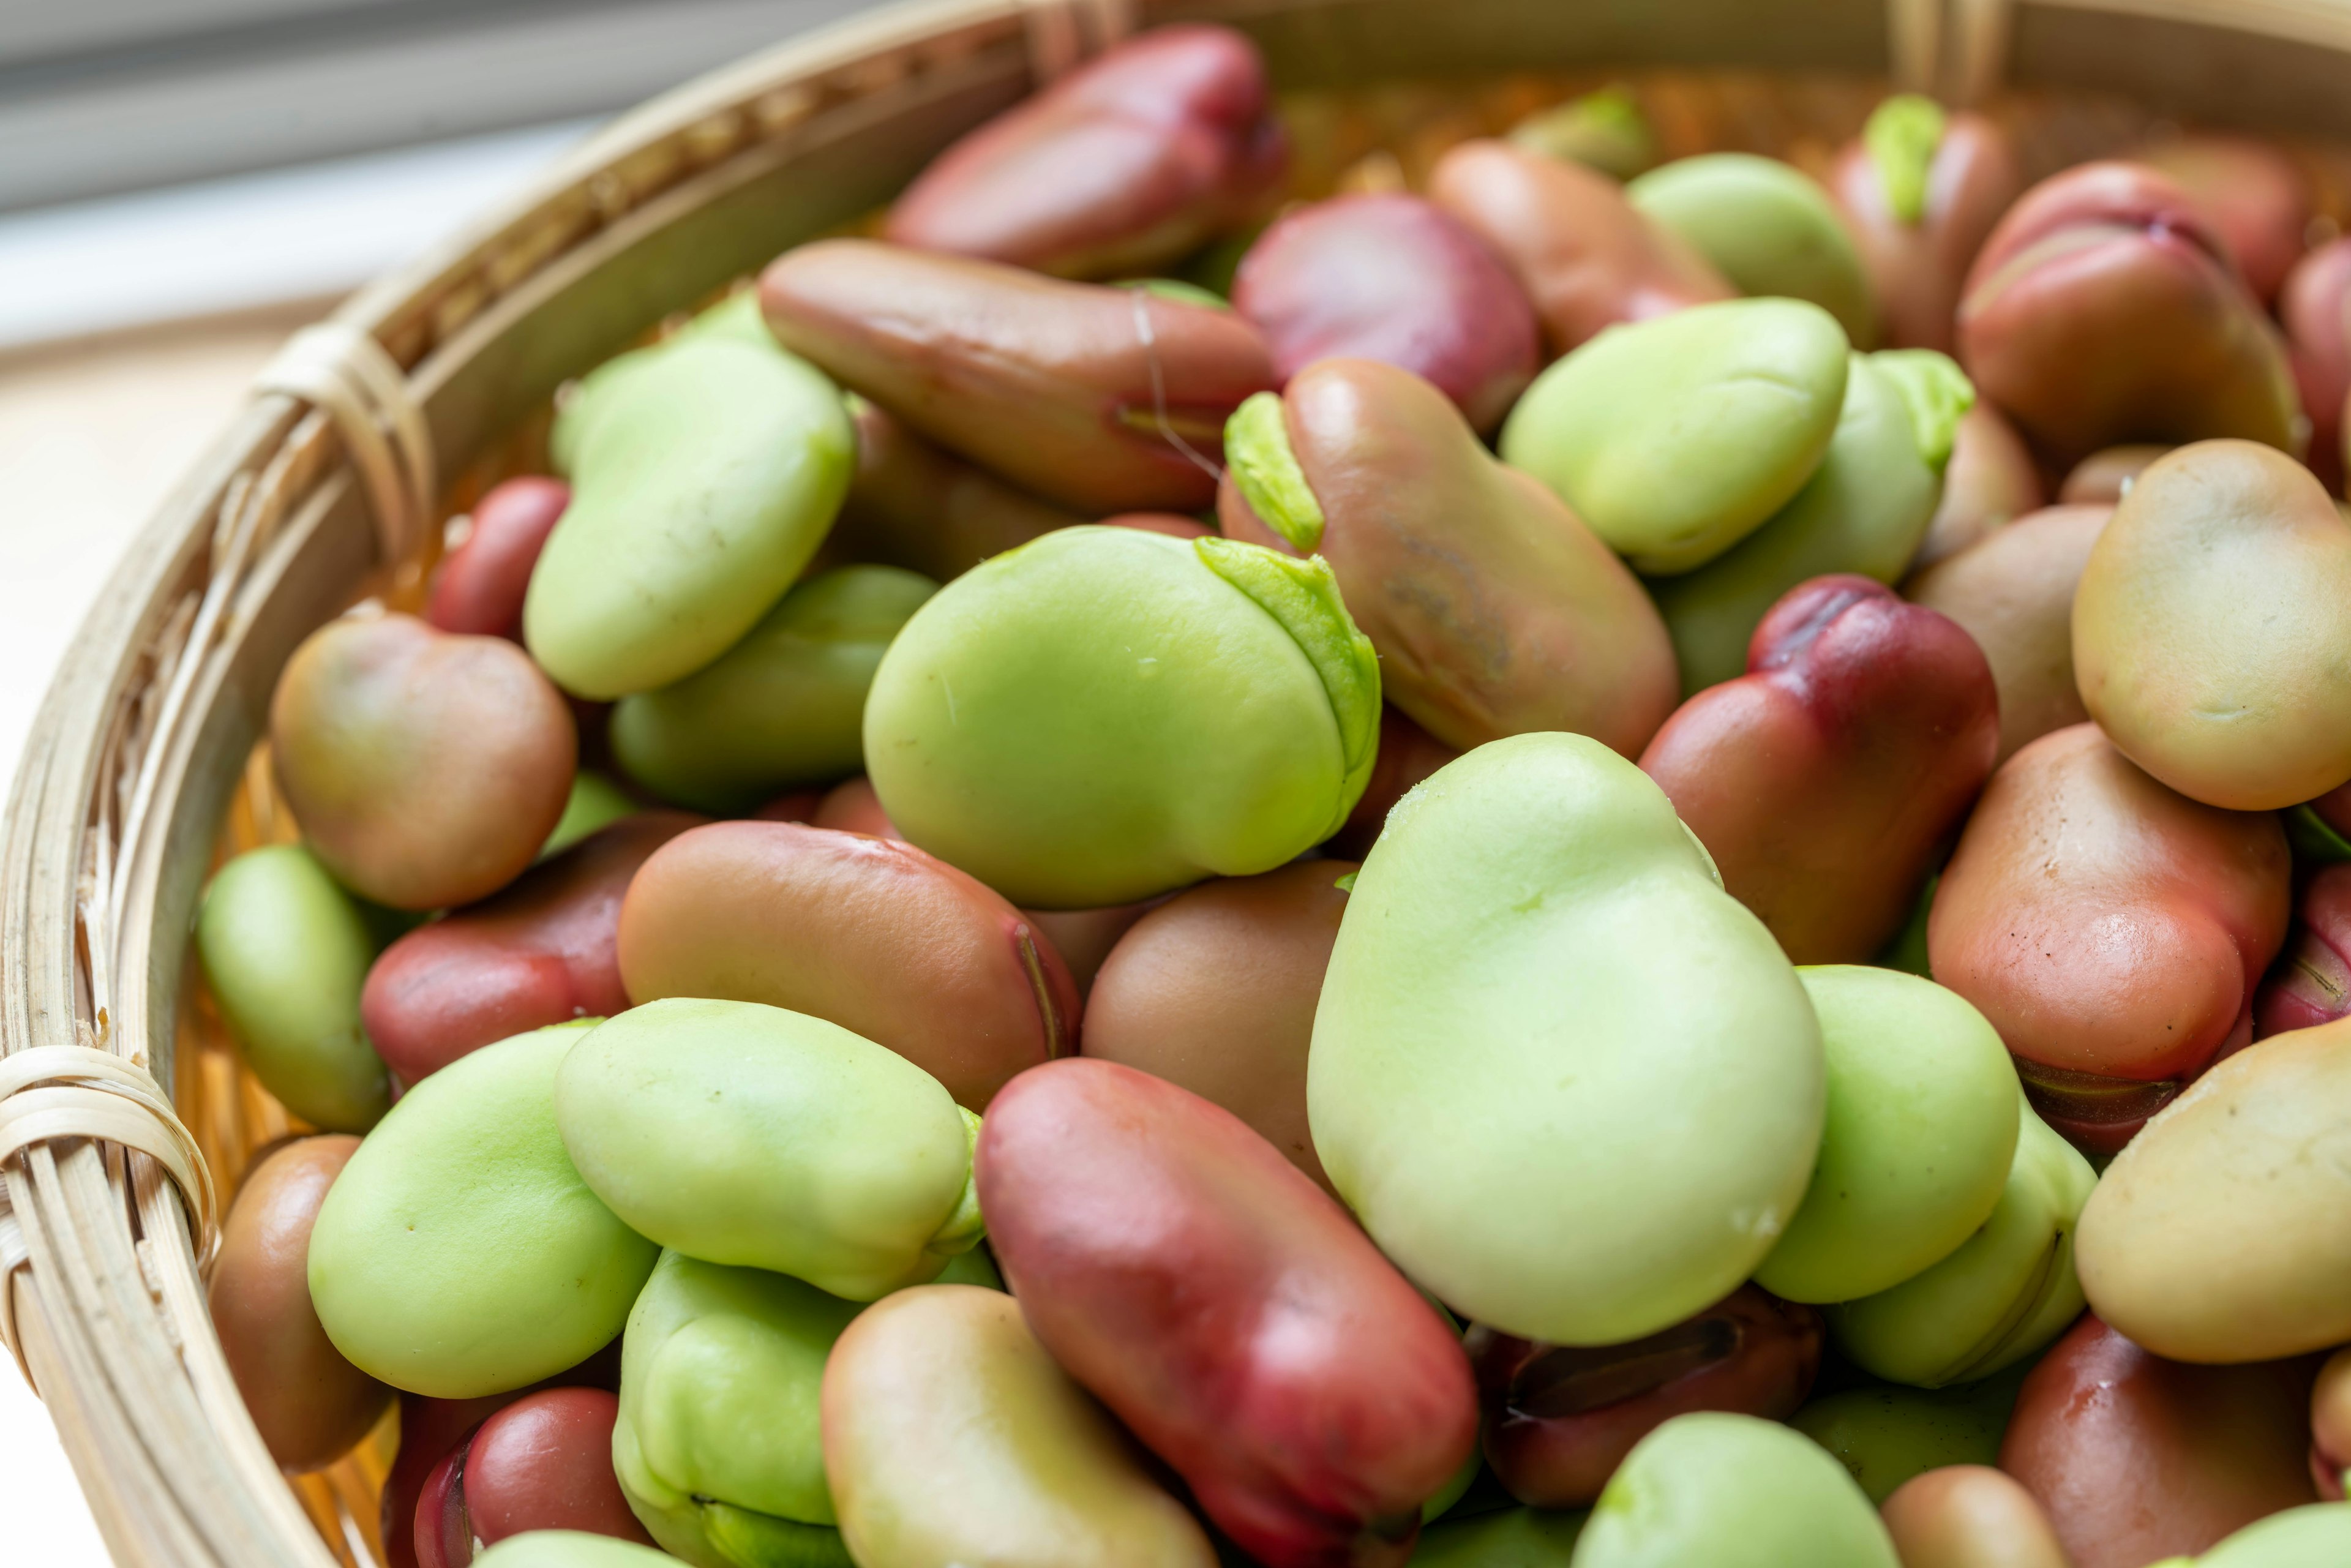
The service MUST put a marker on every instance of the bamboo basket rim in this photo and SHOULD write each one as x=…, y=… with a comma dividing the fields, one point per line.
x=106, y=1208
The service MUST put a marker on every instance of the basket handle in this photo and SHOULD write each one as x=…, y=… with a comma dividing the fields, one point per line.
x=337, y=367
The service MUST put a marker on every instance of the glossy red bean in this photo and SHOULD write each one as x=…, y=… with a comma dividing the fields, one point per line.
x=478, y=587
x=543, y=1462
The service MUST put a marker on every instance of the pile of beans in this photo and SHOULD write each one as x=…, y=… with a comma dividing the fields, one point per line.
x=1137, y=878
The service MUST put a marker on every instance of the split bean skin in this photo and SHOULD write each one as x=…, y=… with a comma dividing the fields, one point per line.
x=1922, y=189
x=1122, y=166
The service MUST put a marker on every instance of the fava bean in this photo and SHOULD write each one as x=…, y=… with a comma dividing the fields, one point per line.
x=2209, y=1243
x=2209, y=624
x=1885, y=1434
x=479, y=585
x=1393, y=278
x=1102, y=400
x=544, y=1462
x=1108, y=714
x=951, y=1436
x=285, y=953
x=2311, y=984
x=1712, y=1487
x=916, y=506
x=1153, y=148
x=2105, y=477
x=1508, y=997
x=1604, y=131
x=2330, y=1427
x=2315, y=1536
x=1182, y=1271
x=1508, y=1538
x=1494, y=609
x=1407, y=755
x=1768, y=227
x=1825, y=781
x=2313, y=308
x=2259, y=199
x=1970, y=1516
x=308, y=1403
x=569, y=1549
x=1921, y=191
x=1991, y=481
x=1676, y=438
x=425, y=768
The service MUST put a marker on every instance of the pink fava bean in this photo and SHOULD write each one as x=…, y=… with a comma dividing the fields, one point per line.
x=479, y=586
x=1393, y=279
x=544, y=1462
x=1196, y=1282
x=1141, y=156
x=2316, y=308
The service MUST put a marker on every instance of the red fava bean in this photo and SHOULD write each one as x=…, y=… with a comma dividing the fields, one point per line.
x=1825, y=780
x=1131, y=162
x=1393, y=279
x=2311, y=982
x=2316, y=308
x=1559, y=1419
x=543, y=1462
x=870, y=934
x=2136, y=1459
x=543, y=952
x=479, y=586
x=1228, y=1311
x=2112, y=930
x=913, y=506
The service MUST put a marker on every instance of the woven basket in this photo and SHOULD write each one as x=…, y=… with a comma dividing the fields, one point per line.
x=142, y=771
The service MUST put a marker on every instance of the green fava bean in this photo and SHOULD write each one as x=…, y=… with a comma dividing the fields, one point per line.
x=1865, y=510
x=286, y=951
x=1512, y=1538
x=1732, y=1491
x=705, y=473
x=1768, y=227
x=2008, y=1290
x=569, y=1549
x=738, y=1133
x=1677, y=437
x=1106, y=714
x=459, y=1253
x=1886, y=1435
x=2316, y=1535
x=1509, y=1002
x=1921, y=1132
x=719, y=1449
x=780, y=709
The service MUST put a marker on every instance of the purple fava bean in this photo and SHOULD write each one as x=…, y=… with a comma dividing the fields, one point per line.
x=1394, y=278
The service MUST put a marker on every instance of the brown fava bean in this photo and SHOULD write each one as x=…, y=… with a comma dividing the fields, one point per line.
x=2330, y=1427
x=2106, y=476
x=1214, y=991
x=543, y=1462
x=425, y=768
x=1991, y=481
x=478, y=587
x=1103, y=400
x=1585, y=256
x=912, y=505
x=1085, y=938
x=1407, y=755
x=2315, y=306
x=1970, y=1516
x=2013, y=592
x=2112, y=930
x=2311, y=984
x=1916, y=263
x=2136, y=1457
x=1393, y=279
x=1133, y=161
x=1228, y=1311
x=1559, y=1419
x=2258, y=197
x=309, y=1404
x=869, y=933
x=543, y=952
x=2105, y=308
x=1825, y=780
x=1494, y=609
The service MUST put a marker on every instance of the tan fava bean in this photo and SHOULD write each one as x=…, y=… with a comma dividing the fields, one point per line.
x=309, y=1404
x=1494, y=609
x=1104, y=400
x=2013, y=592
x=1970, y=1516
x=1991, y=481
x=1214, y=990
x=915, y=506
x=2218, y=1236
x=425, y=768
x=869, y=934
x=1585, y=256
x=2106, y=476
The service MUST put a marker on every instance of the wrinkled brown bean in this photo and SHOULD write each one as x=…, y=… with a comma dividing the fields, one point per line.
x=2259, y=198
x=1393, y=279
x=1917, y=263
x=478, y=587
x=2013, y=591
x=540, y=953
x=310, y=1404
x=869, y=934
x=1970, y=1516
x=2316, y=308
x=1494, y=609
x=2105, y=308
x=1991, y=481
x=1559, y=1419
x=912, y=504
x=2106, y=476
x=2136, y=1457
x=1407, y=755
x=544, y=1462
x=1214, y=990
x=1133, y=161
x=1103, y=400
x=425, y=768
x=1585, y=257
